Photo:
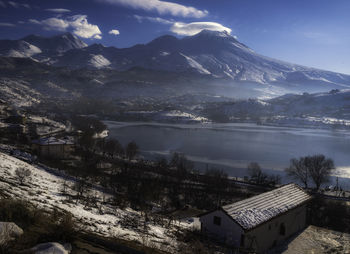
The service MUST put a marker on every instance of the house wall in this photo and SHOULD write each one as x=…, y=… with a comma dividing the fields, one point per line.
x=268, y=234
x=229, y=231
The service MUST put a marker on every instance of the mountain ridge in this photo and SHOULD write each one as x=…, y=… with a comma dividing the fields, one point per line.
x=213, y=53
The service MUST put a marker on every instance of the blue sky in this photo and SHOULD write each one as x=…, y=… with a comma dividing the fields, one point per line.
x=314, y=33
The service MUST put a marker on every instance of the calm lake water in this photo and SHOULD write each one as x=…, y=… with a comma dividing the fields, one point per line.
x=232, y=146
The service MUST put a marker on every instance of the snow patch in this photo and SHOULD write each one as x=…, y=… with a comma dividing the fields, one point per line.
x=194, y=64
x=99, y=61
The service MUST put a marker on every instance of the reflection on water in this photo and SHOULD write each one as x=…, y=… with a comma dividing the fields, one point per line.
x=233, y=146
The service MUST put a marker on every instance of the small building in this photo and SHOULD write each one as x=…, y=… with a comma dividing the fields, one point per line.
x=260, y=222
x=53, y=147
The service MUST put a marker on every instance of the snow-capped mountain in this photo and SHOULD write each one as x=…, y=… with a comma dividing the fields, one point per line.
x=40, y=48
x=59, y=43
x=211, y=53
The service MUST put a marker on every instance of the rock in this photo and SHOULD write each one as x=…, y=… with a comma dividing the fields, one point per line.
x=52, y=248
x=9, y=231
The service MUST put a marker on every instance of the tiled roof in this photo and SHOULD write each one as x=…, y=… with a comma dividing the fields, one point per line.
x=253, y=211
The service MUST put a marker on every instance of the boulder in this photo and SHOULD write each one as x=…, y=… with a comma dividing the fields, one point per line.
x=9, y=231
x=52, y=248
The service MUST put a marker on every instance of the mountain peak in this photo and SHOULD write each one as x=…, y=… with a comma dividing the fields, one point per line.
x=57, y=43
x=207, y=32
x=164, y=42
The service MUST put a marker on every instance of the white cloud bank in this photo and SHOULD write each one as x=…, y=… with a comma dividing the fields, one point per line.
x=196, y=27
x=154, y=19
x=58, y=10
x=162, y=7
x=114, y=31
x=77, y=23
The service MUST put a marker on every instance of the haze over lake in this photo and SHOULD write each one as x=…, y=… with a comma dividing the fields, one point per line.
x=233, y=146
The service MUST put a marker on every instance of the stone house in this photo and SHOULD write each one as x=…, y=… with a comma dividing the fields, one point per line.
x=260, y=222
x=53, y=147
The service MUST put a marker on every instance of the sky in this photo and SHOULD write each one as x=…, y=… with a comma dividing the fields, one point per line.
x=313, y=33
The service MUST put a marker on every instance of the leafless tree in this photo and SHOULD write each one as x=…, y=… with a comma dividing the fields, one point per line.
x=320, y=168
x=316, y=167
x=131, y=150
x=255, y=173
x=298, y=170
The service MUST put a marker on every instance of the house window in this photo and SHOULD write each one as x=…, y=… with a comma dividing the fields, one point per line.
x=217, y=220
x=282, y=229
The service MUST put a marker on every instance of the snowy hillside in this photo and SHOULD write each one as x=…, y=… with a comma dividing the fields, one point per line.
x=44, y=189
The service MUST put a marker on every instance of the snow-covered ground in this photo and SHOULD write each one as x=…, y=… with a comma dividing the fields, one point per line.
x=316, y=240
x=18, y=92
x=46, y=125
x=44, y=190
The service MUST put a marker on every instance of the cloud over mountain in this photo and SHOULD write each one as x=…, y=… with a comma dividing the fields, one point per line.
x=196, y=27
x=77, y=23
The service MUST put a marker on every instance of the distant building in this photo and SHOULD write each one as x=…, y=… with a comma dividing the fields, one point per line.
x=260, y=222
x=53, y=147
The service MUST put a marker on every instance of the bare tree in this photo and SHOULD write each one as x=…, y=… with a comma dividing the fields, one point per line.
x=256, y=174
x=316, y=167
x=112, y=146
x=23, y=174
x=131, y=150
x=320, y=168
x=298, y=170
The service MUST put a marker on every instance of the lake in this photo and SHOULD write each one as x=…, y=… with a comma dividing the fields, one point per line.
x=232, y=146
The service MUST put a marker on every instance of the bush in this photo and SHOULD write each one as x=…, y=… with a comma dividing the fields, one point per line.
x=23, y=175
x=38, y=225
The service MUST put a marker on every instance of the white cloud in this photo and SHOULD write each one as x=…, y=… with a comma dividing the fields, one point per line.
x=77, y=23
x=154, y=19
x=55, y=24
x=4, y=24
x=114, y=31
x=34, y=21
x=15, y=4
x=58, y=10
x=196, y=27
x=83, y=29
x=162, y=7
